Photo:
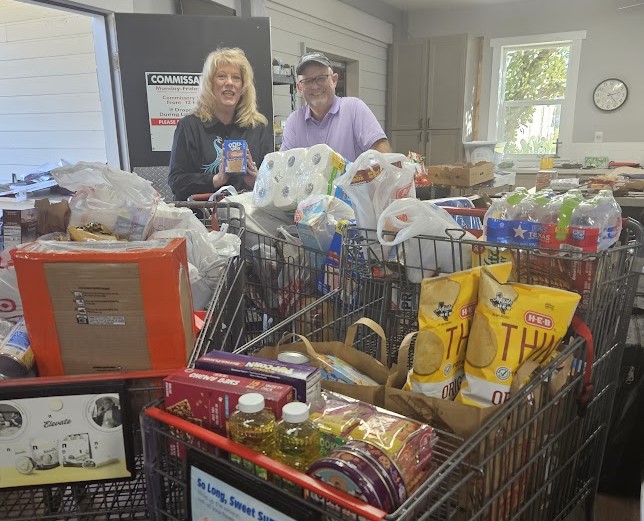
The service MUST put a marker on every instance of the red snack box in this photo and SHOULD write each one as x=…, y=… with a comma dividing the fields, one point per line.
x=208, y=399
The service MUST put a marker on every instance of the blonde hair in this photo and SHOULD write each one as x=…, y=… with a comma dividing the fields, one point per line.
x=246, y=113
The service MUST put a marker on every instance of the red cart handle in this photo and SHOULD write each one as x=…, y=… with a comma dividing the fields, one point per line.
x=581, y=329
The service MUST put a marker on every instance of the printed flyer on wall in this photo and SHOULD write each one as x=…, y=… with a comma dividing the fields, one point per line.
x=171, y=96
x=64, y=438
x=220, y=493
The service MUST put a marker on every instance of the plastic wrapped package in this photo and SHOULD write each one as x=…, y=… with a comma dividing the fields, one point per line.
x=122, y=201
x=285, y=190
x=316, y=218
x=272, y=167
x=319, y=169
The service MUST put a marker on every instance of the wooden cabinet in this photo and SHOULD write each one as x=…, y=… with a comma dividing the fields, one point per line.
x=428, y=96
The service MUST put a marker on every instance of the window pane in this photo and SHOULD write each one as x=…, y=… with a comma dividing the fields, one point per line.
x=532, y=129
x=536, y=74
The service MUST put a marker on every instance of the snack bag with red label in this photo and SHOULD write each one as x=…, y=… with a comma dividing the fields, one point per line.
x=513, y=322
x=420, y=176
x=447, y=304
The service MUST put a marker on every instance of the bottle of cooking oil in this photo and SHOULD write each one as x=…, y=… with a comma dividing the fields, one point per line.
x=252, y=425
x=297, y=439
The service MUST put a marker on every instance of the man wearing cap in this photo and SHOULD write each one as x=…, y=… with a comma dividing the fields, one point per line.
x=346, y=124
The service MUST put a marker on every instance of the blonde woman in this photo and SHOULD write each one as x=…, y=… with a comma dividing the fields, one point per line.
x=226, y=109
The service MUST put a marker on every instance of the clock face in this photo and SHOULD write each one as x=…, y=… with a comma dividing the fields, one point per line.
x=610, y=94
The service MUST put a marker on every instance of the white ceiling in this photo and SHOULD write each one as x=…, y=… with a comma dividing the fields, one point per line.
x=406, y=5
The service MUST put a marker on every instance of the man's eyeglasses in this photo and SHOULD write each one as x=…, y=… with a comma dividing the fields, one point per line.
x=320, y=80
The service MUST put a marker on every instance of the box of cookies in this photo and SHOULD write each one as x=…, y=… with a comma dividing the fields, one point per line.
x=208, y=399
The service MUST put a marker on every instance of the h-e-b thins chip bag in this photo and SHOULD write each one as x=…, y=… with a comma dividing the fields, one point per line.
x=513, y=322
x=445, y=312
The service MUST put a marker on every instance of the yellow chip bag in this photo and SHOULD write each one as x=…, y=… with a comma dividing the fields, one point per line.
x=513, y=322
x=445, y=313
x=486, y=255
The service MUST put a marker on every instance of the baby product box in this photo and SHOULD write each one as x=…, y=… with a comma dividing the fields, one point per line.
x=305, y=379
x=235, y=156
x=106, y=306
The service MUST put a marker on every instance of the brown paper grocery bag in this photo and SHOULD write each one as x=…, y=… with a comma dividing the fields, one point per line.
x=363, y=362
x=460, y=419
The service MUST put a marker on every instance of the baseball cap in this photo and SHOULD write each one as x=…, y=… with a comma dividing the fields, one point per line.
x=316, y=57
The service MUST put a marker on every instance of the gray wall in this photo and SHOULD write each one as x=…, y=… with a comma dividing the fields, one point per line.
x=613, y=48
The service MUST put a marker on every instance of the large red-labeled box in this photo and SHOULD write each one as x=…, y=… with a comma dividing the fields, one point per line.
x=106, y=306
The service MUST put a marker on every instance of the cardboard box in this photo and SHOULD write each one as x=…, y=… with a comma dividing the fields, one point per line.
x=109, y=306
x=461, y=174
x=305, y=379
x=19, y=227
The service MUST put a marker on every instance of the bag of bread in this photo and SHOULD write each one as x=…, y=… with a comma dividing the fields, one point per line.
x=445, y=311
x=513, y=322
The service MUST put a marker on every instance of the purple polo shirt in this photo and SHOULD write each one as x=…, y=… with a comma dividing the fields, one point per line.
x=349, y=128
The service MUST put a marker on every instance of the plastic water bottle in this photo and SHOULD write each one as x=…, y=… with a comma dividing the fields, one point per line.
x=611, y=212
x=556, y=218
x=496, y=225
x=526, y=217
x=297, y=439
x=252, y=425
x=585, y=227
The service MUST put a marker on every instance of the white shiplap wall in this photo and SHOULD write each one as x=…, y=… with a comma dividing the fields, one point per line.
x=340, y=30
x=49, y=102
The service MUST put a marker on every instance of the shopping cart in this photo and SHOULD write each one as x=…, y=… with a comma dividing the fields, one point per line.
x=281, y=277
x=536, y=457
x=524, y=440
x=120, y=500
x=540, y=455
x=101, y=501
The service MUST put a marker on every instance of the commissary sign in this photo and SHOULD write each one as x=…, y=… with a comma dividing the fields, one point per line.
x=171, y=95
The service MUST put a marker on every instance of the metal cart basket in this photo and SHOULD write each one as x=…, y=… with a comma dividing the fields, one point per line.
x=276, y=278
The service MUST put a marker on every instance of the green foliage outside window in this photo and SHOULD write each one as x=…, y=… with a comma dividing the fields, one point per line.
x=533, y=75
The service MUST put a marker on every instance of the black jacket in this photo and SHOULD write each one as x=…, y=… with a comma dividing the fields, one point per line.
x=197, y=151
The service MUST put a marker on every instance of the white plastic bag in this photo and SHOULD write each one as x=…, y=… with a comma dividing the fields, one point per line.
x=208, y=255
x=408, y=218
x=122, y=201
x=169, y=217
x=373, y=181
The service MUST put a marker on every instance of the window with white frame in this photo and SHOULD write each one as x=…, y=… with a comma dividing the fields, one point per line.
x=532, y=99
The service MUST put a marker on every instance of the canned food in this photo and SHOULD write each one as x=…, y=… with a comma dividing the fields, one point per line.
x=16, y=356
x=353, y=474
x=293, y=357
x=382, y=463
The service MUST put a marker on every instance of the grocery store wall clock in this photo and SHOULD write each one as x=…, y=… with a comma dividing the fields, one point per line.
x=610, y=94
